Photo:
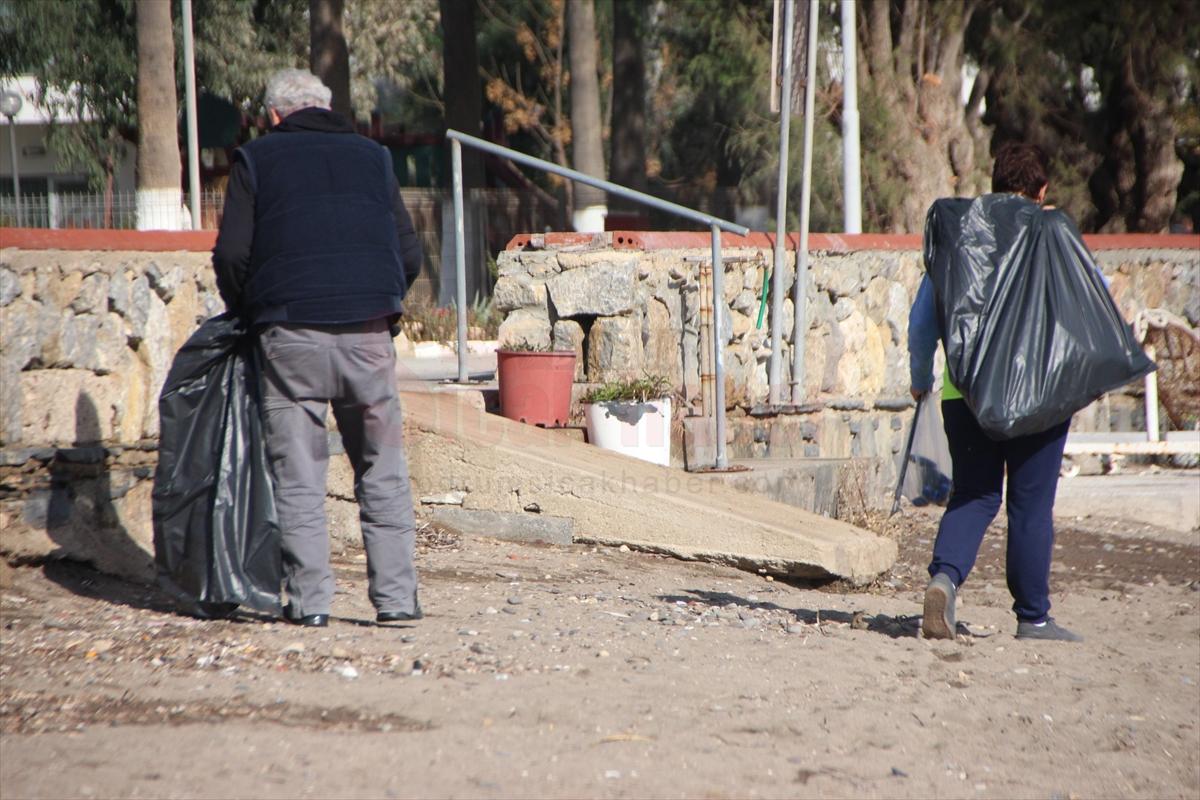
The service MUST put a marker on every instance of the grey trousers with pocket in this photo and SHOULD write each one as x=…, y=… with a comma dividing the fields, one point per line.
x=307, y=369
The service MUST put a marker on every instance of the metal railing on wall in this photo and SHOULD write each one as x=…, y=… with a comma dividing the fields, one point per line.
x=715, y=226
x=113, y=211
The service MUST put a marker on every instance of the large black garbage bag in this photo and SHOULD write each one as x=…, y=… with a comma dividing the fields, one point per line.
x=1030, y=331
x=216, y=533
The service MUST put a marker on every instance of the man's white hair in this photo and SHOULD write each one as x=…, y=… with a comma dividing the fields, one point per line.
x=290, y=90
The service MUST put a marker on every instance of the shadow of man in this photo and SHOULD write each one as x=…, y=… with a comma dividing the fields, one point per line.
x=97, y=556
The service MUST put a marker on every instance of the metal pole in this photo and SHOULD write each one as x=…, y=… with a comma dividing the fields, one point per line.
x=12, y=149
x=718, y=293
x=460, y=260
x=801, y=292
x=1152, y=433
x=193, y=144
x=851, y=173
x=774, y=103
x=775, y=365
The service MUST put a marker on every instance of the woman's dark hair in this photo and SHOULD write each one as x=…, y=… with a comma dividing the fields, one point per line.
x=1019, y=168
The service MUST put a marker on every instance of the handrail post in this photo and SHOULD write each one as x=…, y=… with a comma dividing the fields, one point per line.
x=775, y=367
x=800, y=318
x=460, y=259
x=718, y=288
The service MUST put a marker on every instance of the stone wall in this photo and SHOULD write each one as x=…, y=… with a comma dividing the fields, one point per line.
x=630, y=311
x=87, y=337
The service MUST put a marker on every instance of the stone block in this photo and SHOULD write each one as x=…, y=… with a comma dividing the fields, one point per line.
x=524, y=327
x=20, y=331
x=752, y=278
x=78, y=342
x=164, y=280
x=599, y=258
x=120, y=292
x=875, y=299
x=510, y=526
x=156, y=349
x=568, y=335
x=92, y=297
x=67, y=406
x=862, y=369
x=733, y=283
x=614, y=349
x=789, y=319
x=739, y=325
x=660, y=343
x=56, y=289
x=604, y=288
x=846, y=277
x=10, y=286
x=691, y=304
x=49, y=334
x=11, y=414
x=518, y=291
x=691, y=365
x=535, y=264
x=137, y=312
x=745, y=302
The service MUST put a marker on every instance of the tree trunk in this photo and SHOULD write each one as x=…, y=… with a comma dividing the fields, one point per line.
x=1136, y=185
x=462, y=90
x=328, y=56
x=587, y=147
x=629, y=94
x=920, y=141
x=159, y=182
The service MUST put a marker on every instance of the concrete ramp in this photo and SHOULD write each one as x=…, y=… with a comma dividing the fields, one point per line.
x=497, y=465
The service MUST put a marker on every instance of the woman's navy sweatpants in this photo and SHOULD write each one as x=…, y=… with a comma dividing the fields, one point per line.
x=1033, y=464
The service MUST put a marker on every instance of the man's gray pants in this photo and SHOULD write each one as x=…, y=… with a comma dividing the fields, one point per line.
x=306, y=369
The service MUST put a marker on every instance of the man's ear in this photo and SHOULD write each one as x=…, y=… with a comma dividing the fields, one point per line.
x=1041, y=196
x=273, y=115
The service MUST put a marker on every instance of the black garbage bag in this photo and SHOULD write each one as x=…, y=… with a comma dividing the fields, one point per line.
x=1030, y=332
x=216, y=533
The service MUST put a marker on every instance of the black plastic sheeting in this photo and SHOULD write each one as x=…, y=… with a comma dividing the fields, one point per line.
x=216, y=533
x=1030, y=331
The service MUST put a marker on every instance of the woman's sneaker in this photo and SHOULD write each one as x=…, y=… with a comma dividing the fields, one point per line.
x=1048, y=630
x=938, y=621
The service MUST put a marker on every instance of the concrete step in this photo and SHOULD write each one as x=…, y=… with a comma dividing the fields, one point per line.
x=513, y=469
x=808, y=483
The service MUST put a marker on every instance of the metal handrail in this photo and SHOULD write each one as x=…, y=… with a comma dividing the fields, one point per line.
x=707, y=220
x=715, y=225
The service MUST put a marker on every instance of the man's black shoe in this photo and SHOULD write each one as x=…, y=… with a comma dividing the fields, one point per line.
x=400, y=616
x=307, y=621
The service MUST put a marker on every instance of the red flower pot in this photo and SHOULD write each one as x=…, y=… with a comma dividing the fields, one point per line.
x=535, y=388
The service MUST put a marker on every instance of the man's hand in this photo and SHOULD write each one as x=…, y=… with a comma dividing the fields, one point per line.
x=917, y=394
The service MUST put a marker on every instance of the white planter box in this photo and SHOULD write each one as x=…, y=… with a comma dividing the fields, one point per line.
x=641, y=430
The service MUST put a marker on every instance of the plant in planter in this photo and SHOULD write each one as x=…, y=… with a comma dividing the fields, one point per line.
x=535, y=383
x=632, y=417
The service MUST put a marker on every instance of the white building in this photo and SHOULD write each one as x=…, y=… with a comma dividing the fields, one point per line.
x=53, y=194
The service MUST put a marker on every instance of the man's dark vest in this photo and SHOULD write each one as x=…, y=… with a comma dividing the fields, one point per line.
x=325, y=246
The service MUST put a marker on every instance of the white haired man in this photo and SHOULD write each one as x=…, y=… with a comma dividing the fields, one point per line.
x=316, y=250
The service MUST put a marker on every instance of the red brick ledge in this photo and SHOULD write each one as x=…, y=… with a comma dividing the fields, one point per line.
x=98, y=239
x=203, y=241
x=829, y=242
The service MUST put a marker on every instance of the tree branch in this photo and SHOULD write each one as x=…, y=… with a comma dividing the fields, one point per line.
x=877, y=38
x=904, y=44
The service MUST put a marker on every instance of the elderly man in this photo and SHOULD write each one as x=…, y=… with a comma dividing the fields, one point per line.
x=316, y=250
